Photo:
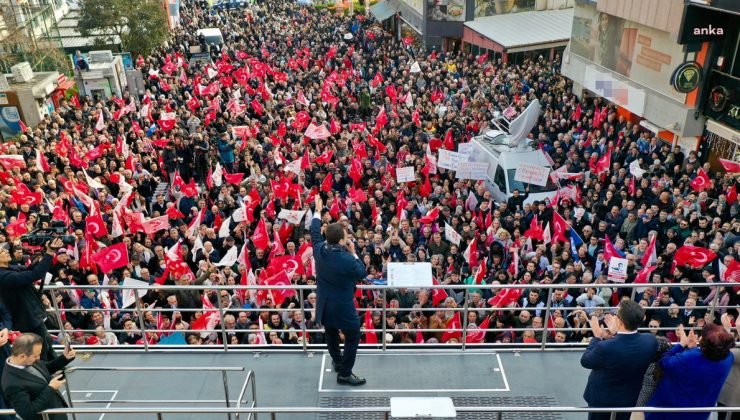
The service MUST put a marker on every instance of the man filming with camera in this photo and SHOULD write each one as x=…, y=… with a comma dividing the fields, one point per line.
x=23, y=299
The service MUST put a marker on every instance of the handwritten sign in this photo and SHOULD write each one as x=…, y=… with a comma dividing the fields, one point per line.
x=292, y=216
x=449, y=159
x=409, y=274
x=472, y=170
x=466, y=149
x=405, y=174
x=532, y=174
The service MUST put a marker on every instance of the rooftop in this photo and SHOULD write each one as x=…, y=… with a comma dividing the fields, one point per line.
x=527, y=28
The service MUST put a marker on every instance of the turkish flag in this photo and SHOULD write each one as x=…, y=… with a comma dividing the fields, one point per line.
x=730, y=166
x=430, y=217
x=279, y=295
x=559, y=227
x=610, y=250
x=10, y=161
x=174, y=213
x=235, y=179
x=438, y=295
x=17, y=228
x=453, y=324
x=694, y=256
x=732, y=194
x=643, y=276
x=449, y=142
x=257, y=107
x=111, y=257
x=505, y=297
x=471, y=253
x=477, y=335
x=535, y=230
x=371, y=337
x=95, y=226
x=701, y=182
x=291, y=264
x=357, y=195
x=260, y=238
x=41, y=163
x=325, y=157
x=156, y=224
x=327, y=183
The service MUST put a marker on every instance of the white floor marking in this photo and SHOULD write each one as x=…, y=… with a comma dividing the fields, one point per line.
x=380, y=391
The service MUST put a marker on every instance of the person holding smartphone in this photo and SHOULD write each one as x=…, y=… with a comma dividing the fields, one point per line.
x=29, y=383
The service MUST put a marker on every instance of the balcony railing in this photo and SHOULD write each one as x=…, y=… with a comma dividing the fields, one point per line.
x=160, y=412
x=468, y=304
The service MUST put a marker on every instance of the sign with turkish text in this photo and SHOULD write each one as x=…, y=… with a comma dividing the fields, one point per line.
x=472, y=170
x=532, y=174
x=617, y=270
x=405, y=174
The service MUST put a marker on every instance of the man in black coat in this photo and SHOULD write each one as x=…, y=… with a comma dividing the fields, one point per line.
x=617, y=364
x=337, y=270
x=22, y=298
x=6, y=324
x=27, y=382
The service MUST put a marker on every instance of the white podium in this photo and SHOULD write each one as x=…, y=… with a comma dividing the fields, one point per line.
x=415, y=407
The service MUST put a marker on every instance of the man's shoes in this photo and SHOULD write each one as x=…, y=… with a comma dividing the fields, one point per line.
x=351, y=380
x=335, y=366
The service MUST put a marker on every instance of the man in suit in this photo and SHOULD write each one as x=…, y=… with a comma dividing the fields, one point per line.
x=618, y=359
x=27, y=382
x=337, y=269
x=6, y=324
x=22, y=298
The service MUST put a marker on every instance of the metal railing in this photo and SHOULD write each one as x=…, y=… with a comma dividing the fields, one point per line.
x=249, y=380
x=384, y=410
x=549, y=308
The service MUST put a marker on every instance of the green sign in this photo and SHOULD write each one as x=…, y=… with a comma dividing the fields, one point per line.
x=686, y=77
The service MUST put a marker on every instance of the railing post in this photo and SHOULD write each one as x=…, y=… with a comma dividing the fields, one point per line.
x=69, y=396
x=464, y=322
x=141, y=321
x=226, y=387
x=384, y=319
x=159, y=416
x=254, y=395
x=58, y=315
x=303, y=316
x=224, y=336
x=546, y=319
x=613, y=414
x=714, y=303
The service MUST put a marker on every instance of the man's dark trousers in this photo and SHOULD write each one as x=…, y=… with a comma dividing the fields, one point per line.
x=345, y=360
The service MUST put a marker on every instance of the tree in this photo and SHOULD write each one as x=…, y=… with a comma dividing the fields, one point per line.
x=140, y=24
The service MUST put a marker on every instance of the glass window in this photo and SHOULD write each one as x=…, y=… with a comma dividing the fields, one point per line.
x=499, y=179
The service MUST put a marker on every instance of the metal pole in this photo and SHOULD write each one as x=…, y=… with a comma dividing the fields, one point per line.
x=224, y=337
x=464, y=323
x=159, y=416
x=546, y=319
x=714, y=303
x=613, y=415
x=226, y=388
x=69, y=396
x=384, y=318
x=141, y=321
x=58, y=315
x=303, y=315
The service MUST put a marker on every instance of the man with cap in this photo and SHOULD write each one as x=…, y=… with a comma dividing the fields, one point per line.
x=338, y=268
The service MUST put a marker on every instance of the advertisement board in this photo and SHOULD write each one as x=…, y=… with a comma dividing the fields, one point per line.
x=446, y=10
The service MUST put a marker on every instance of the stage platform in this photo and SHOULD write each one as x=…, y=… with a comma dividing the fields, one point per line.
x=474, y=378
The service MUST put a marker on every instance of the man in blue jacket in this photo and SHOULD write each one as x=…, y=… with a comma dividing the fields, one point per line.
x=617, y=364
x=337, y=270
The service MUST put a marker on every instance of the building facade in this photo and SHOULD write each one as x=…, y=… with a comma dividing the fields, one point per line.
x=644, y=57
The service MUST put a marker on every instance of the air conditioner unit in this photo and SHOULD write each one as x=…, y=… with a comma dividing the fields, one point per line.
x=22, y=72
x=105, y=56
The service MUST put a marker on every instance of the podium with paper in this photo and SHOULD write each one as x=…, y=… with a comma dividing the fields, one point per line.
x=409, y=275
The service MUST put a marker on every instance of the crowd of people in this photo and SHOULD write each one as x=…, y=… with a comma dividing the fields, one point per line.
x=297, y=102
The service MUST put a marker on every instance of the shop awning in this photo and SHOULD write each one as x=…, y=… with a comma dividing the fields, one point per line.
x=384, y=9
x=66, y=85
x=526, y=31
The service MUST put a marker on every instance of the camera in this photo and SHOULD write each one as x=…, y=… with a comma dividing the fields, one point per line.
x=39, y=237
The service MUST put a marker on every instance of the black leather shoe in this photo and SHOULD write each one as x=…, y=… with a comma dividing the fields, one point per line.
x=335, y=366
x=351, y=380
